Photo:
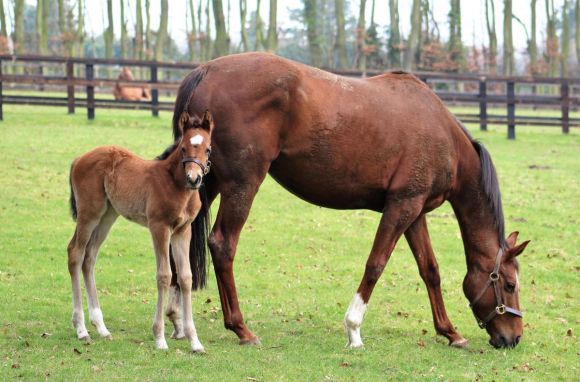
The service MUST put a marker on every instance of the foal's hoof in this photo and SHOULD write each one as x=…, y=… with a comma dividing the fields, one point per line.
x=251, y=341
x=108, y=337
x=86, y=338
x=460, y=343
x=177, y=335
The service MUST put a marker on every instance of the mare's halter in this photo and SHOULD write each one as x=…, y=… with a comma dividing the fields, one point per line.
x=500, y=307
x=204, y=167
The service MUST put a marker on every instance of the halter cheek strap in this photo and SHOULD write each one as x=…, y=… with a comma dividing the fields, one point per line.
x=204, y=167
x=500, y=307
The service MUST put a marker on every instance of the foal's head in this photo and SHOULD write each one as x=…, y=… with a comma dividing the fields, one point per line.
x=195, y=147
x=493, y=292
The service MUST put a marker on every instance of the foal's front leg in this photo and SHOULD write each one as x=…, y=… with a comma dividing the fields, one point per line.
x=180, y=242
x=160, y=234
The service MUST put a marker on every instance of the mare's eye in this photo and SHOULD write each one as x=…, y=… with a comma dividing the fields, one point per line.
x=510, y=287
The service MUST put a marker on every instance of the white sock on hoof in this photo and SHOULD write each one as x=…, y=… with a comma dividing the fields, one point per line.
x=353, y=320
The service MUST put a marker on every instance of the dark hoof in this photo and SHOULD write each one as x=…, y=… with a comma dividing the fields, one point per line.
x=251, y=341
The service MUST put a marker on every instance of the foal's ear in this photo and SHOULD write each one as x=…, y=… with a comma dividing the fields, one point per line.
x=184, y=121
x=512, y=252
x=207, y=121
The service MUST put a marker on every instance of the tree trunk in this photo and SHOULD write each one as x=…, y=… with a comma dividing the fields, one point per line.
x=360, y=38
x=109, y=32
x=80, y=35
x=490, y=24
x=312, y=34
x=272, y=37
x=455, y=38
x=551, y=40
x=565, y=41
x=243, y=31
x=508, y=44
x=222, y=45
x=18, y=35
x=123, y=41
x=148, y=38
x=394, y=34
x=3, y=29
x=138, y=51
x=340, y=44
x=61, y=21
x=41, y=26
x=533, y=44
x=577, y=18
x=208, y=42
x=192, y=36
x=412, y=52
x=259, y=28
x=162, y=32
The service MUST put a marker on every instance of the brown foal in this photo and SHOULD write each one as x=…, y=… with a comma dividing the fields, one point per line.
x=161, y=195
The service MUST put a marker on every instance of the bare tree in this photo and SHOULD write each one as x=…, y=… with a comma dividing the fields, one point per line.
x=138, y=50
x=192, y=36
x=413, y=44
x=18, y=35
x=80, y=35
x=41, y=26
x=492, y=36
x=533, y=44
x=123, y=41
x=312, y=34
x=222, y=41
x=340, y=43
x=3, y=30
x=162, y=32
x=110, y=31
x=148, y=38
x=243, y=31
x=455, y=38
x=360, y=37
x=394, y=34
x=259, y=33
x=565, y=41
x=551, y=39
x=272, y=37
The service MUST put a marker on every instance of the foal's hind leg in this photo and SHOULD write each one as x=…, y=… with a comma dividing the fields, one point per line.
x=76, y=254
x=397, y=217
x=97, y=238
x=418, y=238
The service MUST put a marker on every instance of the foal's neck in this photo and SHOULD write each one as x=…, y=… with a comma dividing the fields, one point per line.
x=174, y=167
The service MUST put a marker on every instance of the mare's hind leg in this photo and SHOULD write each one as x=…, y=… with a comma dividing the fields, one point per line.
x=418, y=238
x=396, y=218
x=97, y=238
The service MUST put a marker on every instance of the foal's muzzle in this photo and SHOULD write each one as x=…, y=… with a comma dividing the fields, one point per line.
x=194, y=183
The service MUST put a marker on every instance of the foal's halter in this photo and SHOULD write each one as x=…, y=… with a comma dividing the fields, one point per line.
x=204, y=167
x=500, y=308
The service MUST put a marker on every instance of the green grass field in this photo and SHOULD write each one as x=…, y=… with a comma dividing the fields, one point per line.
x=297, y=268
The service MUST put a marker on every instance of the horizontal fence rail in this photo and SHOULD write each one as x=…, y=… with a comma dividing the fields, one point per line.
x=463, y=89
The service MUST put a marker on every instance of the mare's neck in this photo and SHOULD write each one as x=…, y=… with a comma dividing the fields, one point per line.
x=477, y=224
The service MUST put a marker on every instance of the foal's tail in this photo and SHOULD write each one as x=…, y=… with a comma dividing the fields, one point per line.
x=197, y=248
x=72, y=200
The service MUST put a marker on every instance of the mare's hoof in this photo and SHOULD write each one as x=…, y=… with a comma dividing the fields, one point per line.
x=460, y=343
x=251, y=341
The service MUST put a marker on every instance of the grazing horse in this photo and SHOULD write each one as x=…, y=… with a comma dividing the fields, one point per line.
x=129, y=93
x=386, y=144
x=162, y=195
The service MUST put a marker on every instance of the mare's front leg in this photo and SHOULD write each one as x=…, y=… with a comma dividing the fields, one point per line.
x=418, y=238
x=396, y=218
x=180, y=242
x=160, y=234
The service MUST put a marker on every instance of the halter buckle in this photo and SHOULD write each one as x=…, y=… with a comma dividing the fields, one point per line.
x=500, y=309
x=494, y=276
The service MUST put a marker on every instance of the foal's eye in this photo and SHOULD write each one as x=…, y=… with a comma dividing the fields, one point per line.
x=510, y=287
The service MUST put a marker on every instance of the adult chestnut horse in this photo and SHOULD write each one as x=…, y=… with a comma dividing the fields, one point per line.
x=386, y=144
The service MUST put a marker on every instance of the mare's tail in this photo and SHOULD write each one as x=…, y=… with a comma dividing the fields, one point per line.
x=72, y=200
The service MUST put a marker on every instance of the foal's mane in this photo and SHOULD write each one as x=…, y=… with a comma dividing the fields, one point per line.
x=490, y=184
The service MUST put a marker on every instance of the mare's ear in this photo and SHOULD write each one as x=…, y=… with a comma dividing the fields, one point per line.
x=512, y=238
x=184, y=120
x=515, y=251
x=207, y=122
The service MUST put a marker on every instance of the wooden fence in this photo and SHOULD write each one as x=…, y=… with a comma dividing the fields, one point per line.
x=486, y=92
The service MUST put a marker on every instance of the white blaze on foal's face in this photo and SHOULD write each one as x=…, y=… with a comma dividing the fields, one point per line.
x=197, y=140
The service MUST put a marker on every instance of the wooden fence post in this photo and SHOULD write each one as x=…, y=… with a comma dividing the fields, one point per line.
x=1, y=96
x=482, y=104
x=565, y=99
x=154, y=92
x=511, y=110
x=70, y=88
x=90, y=74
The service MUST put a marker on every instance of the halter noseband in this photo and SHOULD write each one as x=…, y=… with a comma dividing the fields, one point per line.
x=500, y=307
x=204, y=167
